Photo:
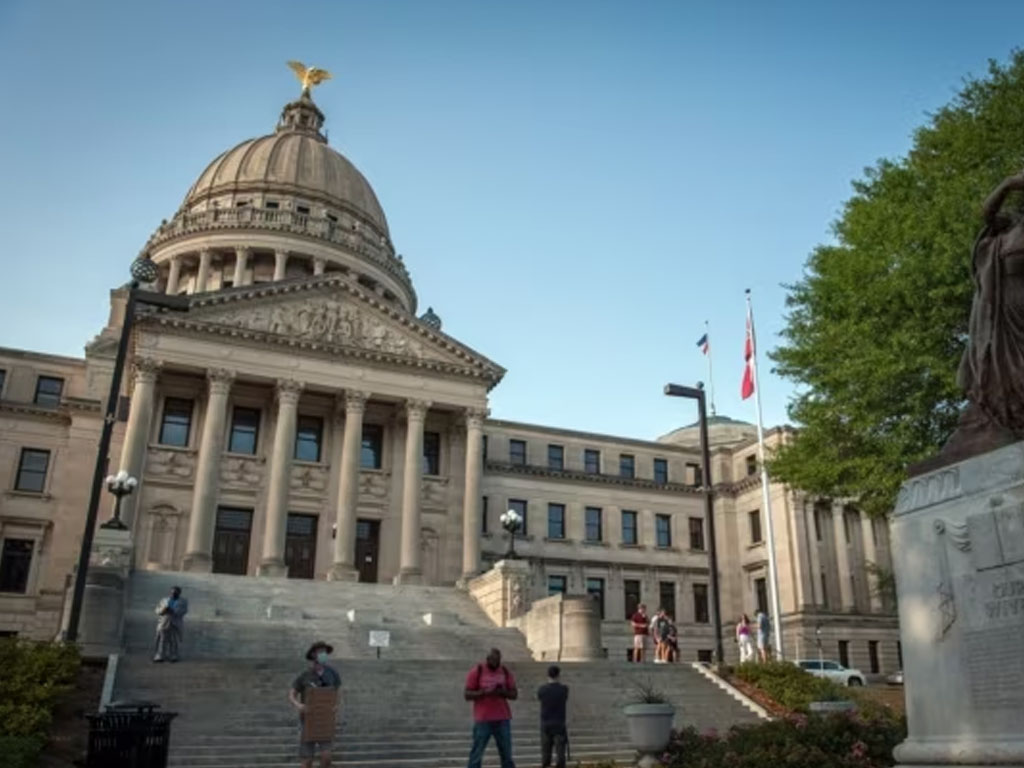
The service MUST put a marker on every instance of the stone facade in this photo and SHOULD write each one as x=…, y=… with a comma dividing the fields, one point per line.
x=299, y=419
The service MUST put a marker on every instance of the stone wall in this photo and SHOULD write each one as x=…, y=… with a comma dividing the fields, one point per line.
x=560, y=628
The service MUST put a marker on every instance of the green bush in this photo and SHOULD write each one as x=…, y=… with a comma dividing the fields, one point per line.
x=34, y=676
x=790, y=686
x=836, y=741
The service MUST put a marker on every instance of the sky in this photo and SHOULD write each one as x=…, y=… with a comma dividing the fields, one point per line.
x=576, y=187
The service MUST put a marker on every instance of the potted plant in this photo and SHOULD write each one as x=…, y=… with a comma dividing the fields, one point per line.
x=650, y=716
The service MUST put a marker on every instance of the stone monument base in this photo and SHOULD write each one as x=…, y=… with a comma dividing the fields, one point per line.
x=102, y=621
x=959, y=532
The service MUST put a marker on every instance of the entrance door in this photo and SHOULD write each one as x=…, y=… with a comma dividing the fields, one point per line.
x=367, y=548
x=231, y=540
x=300, y=546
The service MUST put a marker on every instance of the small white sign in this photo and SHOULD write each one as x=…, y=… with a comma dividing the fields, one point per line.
x=380, y=638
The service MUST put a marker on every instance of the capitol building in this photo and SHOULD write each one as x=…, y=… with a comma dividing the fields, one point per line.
x=308, y=418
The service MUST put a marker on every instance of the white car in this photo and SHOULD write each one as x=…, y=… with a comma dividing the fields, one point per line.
x=831, y=670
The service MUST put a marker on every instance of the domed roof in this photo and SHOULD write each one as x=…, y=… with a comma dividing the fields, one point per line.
x=294, y=160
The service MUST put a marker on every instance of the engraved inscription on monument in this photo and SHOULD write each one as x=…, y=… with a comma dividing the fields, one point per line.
x=993, y=602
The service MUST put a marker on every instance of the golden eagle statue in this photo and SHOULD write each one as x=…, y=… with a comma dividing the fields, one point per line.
x=308, y=76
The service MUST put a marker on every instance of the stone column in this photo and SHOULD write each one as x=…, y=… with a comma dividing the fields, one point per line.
x=472, y=502
x=870, y=561
x=344, y=567
x=136, y=434
x=241, y=263
x=278, y=487
x=199, y=552
x=319, y=264
x=173, y=276
x=203, y=276
x=410, y=569
x=846, y=600
x=814, y=546
x=280, y=264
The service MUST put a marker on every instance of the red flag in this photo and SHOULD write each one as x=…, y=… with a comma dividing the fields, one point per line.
x=747, y=387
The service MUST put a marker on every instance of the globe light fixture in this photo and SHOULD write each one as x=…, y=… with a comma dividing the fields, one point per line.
x=143, y=270
x=511, y=521
x=122, y=484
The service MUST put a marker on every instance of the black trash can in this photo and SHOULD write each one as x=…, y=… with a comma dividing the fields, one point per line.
x=129, y=734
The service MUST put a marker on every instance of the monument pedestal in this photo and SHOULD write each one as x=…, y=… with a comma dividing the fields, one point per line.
x=102, y=623
x=959, y=532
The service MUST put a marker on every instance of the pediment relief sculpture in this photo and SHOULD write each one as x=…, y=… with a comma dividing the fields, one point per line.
x=176, y=465
x=237, y=471
x=309, y=479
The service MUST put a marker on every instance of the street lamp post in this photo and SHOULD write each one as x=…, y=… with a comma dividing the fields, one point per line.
x=122, y=484
x=511, y=522
x=143, y=270
x=697, y=393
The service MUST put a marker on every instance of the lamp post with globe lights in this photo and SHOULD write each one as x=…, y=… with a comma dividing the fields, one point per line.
x=511, y=521
x=143, y=272
x=122, y=484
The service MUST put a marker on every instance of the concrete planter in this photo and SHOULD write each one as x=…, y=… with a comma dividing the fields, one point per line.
x=827, y=707
x=650, y=726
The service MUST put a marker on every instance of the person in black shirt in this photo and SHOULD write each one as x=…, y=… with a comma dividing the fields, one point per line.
x=553, y=696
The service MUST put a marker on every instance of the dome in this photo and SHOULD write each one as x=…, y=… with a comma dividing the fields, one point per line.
x=295, y=160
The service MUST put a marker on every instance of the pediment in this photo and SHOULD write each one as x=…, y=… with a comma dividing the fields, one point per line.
x=329, y=315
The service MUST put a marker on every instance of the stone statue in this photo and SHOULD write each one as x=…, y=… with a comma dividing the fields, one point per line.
x=992, y=369
x=308, y=76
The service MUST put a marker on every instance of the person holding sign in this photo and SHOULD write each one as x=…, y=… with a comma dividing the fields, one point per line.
x=315, y=695
x=490, y=686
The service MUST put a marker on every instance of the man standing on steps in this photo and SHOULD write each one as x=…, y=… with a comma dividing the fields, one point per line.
x=319, y=675
x=170, y=625
x=553, y=733
x=640, y=624
x=490, y=686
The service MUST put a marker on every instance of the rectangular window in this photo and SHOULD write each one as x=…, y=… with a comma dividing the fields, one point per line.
x=332, y=218
x=751, y=465
x=556, y=585
x=631, y=589
x=519, y=506
x=176, y=423
x=32, y=469
x=483, y=516
x=899, y=653
x=704, y=655
x=820, y=512
x=873, y=656
x=844, y=652
x=592, y=461
x=593, y=524
x=761, y=594
x=697, y=534
x=245, y=431
x=485, y=447
x=629, y=533
x=272, y=205
x=373, y=446
x=755, y=526
x=700, y=604
x=627, y=465
x=595, y=588
x=695, y=472
x=15, y=562
x=517, y=452
x=824, y=589
x=663, y=530
x=667, y=597
x=556, y=521
x=431, y=453
x=3, y=378
x=308, y=437
x=661, y=471
x=303, y=209
x=556, y=457
x=48, y=391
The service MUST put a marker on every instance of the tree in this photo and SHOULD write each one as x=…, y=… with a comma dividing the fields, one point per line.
x=876, y=328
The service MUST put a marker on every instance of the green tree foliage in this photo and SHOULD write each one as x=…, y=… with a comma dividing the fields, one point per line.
x=876, y=327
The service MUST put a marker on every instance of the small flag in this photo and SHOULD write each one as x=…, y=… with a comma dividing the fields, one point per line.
x=702, y=342
x=747, y=387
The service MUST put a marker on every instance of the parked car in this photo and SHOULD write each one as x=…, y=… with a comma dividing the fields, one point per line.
x=831, y=670
x=896, y=678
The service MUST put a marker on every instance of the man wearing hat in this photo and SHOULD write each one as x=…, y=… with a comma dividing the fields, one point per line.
x=319, y=675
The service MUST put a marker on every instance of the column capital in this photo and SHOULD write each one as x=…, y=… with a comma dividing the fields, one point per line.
x=474, y=417
x=354, y=400
x=319, y=264
x=416, y=410
x=243, y=251
x=205, y=253
x=146, y=370
x=288, y=391
x=219, y=380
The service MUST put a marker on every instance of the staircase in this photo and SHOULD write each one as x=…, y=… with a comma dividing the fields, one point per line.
x=404, y=710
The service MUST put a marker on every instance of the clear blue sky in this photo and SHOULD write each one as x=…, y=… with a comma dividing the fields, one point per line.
x=576, y=186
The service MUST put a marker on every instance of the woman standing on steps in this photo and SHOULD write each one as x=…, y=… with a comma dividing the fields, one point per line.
x=743, y=638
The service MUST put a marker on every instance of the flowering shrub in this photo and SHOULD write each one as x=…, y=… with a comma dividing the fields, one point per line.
x=799, y=741
x=790, y=686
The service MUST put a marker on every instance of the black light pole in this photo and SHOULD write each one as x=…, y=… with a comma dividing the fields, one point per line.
x=143, y=270
x=697, y=393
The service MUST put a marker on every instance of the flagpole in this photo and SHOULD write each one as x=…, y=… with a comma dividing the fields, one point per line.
x=711, y=378
x=773, y=573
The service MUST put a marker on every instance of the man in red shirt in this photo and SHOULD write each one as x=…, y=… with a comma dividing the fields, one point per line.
x=640, y=624
x=490, y=686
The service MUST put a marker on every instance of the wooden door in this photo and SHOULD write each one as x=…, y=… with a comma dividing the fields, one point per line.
x=300, y=546
x=367, y=549
x=231, y=540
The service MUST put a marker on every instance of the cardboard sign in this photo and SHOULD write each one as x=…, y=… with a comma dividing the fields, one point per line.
x=379, y=638
x=321, y=714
